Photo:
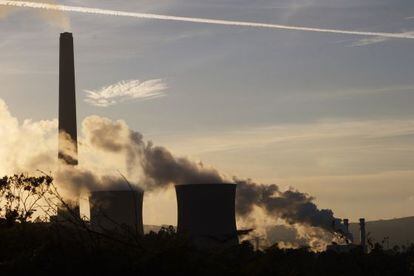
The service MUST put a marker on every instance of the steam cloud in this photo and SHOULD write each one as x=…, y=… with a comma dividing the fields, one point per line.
x=161, y=168
x=47, y=6
x=158, y=166
x=153, y=167
x=291, y=205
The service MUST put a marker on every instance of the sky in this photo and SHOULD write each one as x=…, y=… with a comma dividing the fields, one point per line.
x=328, y=114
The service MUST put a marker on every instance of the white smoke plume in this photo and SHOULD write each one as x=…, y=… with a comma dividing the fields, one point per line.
x=18, y=151
x=126, y=91
x=54, y=17
x=153, y=166
x=46, y=6
x=21, y=155
x=107, y=146
x=290, y=205
x=159, y=168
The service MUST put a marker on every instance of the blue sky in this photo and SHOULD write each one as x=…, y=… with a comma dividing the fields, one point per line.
x=330, y=114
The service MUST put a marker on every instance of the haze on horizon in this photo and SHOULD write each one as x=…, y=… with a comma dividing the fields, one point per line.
x=329, y=114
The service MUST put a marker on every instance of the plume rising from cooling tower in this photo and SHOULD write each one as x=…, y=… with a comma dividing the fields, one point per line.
x=160, y=168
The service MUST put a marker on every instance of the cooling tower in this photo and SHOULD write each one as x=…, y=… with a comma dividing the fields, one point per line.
x=206, y=213
x=116, y=211
x=67, y=102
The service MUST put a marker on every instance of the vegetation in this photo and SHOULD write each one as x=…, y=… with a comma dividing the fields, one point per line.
x=30, y=244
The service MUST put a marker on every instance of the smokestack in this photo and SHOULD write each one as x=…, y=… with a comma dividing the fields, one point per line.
x=119, y=211
x=67, y=102
x=206, y=214
x=363, y=234
x=346, y=224
x=348, y=235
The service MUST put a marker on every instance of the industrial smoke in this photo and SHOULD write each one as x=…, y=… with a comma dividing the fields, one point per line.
x=160, y=168
x=153, y=167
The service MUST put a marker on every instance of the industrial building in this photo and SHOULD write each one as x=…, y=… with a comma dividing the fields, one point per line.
x=206, y=213
x=116, y=211
x=350, y=245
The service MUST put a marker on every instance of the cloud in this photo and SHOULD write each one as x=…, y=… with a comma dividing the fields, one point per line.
x=54, y=17
x=375, y=40
x=125, y=91
x=369, y=41
x=303, y=150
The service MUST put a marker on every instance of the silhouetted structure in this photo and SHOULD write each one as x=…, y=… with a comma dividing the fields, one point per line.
x=119, y=211
x=206, y=213
x=363, y=234
x=346, y=225
x=348, y=235
x=67, y=102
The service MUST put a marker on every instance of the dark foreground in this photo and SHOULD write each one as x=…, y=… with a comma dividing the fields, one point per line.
x=33, y=248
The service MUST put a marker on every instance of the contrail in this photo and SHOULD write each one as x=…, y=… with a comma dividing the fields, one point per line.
x=46, y=6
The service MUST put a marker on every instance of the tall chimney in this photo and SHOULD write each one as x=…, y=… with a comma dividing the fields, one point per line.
x=68, y=147
x=363, y=234
x=346, y=224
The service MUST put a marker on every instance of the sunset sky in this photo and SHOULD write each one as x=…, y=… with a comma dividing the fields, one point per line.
x=328, y=114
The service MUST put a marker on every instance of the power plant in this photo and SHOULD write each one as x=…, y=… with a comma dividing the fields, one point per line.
x=206, y=213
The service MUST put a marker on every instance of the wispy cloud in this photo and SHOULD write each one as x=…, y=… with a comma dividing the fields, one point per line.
x=374, y=40
x=290, y=134
x=369, y=41
x=126, y=90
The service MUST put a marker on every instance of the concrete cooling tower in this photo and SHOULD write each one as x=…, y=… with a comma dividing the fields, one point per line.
x=206, y=213
x=116, y=211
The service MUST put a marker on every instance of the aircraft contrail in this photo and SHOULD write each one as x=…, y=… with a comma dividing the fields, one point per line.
x=46, y=6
